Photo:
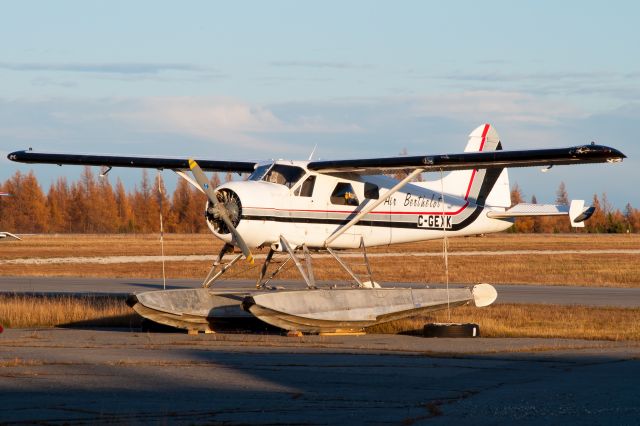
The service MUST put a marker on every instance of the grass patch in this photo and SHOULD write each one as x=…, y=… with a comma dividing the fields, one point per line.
x=61, y=245
x=25, y=311
x=519, y=320
x=582, y=269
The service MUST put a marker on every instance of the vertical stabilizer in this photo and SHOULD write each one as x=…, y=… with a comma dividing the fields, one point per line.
x=482, y=187
x=483, y=138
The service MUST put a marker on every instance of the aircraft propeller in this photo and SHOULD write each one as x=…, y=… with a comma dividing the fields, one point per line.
x=220, y=208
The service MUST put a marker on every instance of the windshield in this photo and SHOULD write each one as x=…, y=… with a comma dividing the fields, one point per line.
x=259, y=172
x=284, y=175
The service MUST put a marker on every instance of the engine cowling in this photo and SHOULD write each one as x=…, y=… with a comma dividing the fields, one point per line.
x=231, y=202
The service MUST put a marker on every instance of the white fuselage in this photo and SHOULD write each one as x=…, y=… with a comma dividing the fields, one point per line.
x=415, y=213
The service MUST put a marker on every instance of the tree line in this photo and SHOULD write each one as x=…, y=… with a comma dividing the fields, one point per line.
x=93, y=205
x=605, y=219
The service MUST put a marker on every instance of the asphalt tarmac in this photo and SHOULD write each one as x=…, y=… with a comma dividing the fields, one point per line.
x=70, y=376
x=76, y=376
x=559, y=295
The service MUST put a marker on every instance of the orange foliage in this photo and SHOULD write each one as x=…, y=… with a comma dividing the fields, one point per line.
x=93, y=206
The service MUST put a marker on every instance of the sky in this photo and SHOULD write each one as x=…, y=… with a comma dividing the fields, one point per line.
x=360, y=79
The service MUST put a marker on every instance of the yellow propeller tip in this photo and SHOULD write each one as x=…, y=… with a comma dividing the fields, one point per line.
x=250, y=259
x=192, y=163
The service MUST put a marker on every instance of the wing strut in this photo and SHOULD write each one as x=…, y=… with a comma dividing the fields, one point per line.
x=368, y=208
x=445, y=246
x=188, y=178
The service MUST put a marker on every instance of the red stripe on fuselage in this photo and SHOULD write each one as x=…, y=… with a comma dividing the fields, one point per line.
x=352, y=211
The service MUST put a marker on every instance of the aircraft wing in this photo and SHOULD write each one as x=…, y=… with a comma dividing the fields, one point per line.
x=130, y=161
x=473, y=160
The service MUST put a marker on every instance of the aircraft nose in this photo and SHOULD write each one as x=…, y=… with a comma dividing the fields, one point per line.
x=230, y=202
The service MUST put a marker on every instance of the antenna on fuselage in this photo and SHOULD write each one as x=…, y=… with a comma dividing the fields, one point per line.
x=313, y=151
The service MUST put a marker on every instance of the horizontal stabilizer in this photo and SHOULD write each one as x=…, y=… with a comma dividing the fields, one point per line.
x=577, y=212
x=527, y=209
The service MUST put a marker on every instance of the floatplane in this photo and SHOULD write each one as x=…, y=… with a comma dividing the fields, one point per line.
x=294, y=208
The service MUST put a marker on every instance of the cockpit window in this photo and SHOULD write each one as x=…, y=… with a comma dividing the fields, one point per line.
x=371, y=191
x=259, y=172
x=306, y=189
x=344, y=195
x=284, y=175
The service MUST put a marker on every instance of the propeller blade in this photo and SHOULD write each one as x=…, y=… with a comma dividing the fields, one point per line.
x=202, y=180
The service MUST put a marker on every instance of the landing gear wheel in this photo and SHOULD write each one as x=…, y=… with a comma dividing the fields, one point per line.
x=451, y=330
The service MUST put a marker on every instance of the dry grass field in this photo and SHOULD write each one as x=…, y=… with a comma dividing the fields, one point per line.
x=542, y=267
x=20, y=311
x=585, y=269
x=25, y=311
x=510, y=320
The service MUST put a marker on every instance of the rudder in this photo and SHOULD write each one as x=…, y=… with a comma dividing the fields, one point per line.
x=484, y=186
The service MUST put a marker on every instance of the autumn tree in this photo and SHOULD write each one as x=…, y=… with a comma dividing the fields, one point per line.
x=614, y=219
x=58, y=206
x=123, y=207
x=90, y=211
x=142, y=206
x=81, y=208
x=632, y=218
x=3, y=205
x=26, y=209
x=537, y=222
x=106, y=219
x=560, y=223
x=183, y=209
x=597, y=222
x=92, y=205
x=161, y=204
x=521, y=224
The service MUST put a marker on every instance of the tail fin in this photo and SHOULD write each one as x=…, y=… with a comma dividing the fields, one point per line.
x=482, y=187
x=483, y=138
x=576, y=211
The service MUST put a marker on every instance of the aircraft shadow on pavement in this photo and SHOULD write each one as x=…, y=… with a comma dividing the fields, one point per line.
x=135, y=323
x=253, y=385
x=124, y=323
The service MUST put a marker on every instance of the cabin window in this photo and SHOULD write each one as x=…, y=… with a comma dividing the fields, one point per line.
x=344, y=195
x=306, y=189
x=371, y=191
x=284, y=175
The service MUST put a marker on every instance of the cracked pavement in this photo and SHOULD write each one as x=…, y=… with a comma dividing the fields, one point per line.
x=76, y=376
